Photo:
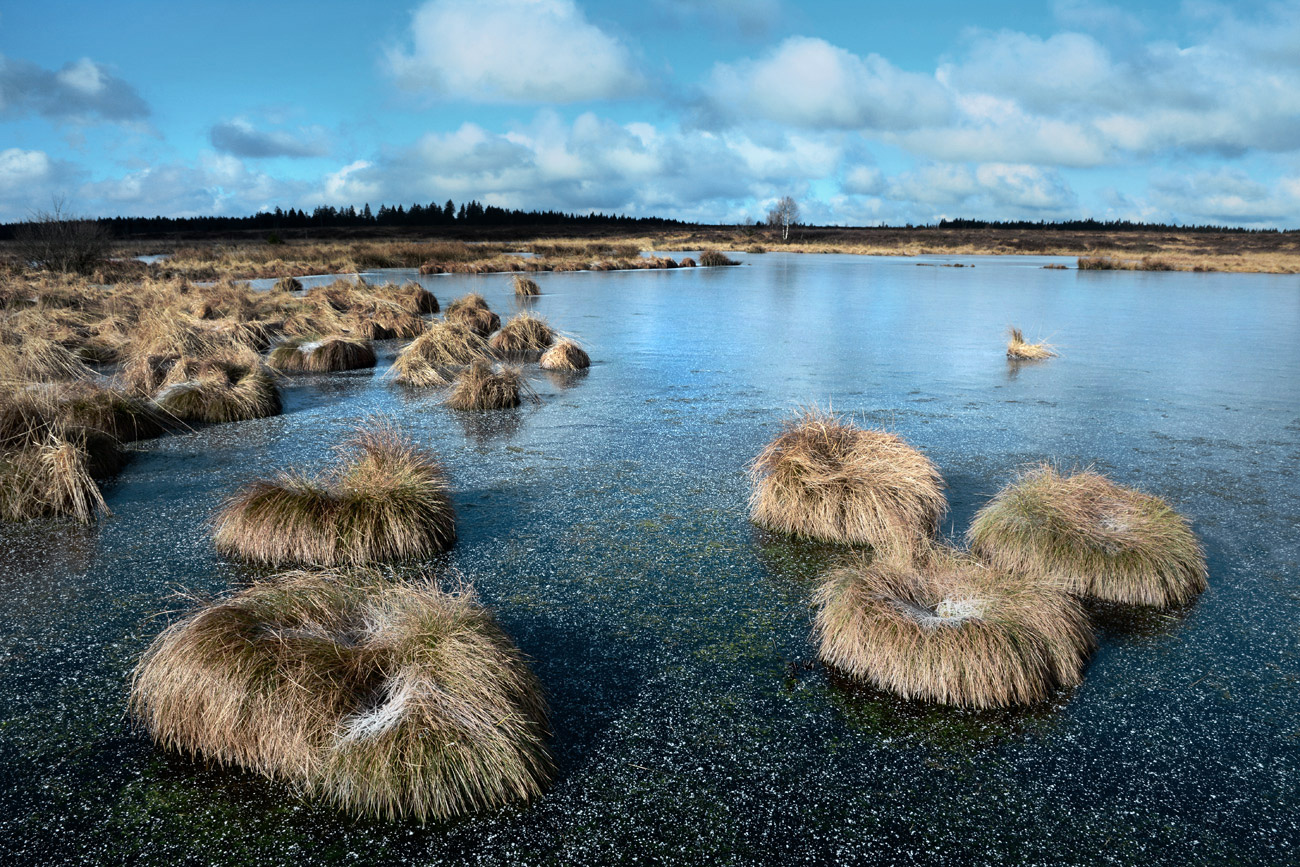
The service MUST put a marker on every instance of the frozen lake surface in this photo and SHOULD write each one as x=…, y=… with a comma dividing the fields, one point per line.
x=608, y=529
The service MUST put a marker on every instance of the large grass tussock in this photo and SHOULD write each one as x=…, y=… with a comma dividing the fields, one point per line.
x=524, y=336
x=433, y=357
x=323, y=355
x=389, y=700
x=945, y=628
x=387, y=500
x=828, y=479
x=1094, y=537
x=483, y=386
x=218, y=389
x=565, y=355
x=472, y=312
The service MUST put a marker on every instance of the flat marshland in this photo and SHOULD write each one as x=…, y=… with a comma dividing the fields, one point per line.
x=606, y=527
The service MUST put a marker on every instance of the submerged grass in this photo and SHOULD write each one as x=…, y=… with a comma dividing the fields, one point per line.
x=943, y=627
x=387, y=500
x=389, y=700
x=1094, y=537
x=827, y=479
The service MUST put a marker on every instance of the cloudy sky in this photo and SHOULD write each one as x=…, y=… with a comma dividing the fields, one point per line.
x=865, y=112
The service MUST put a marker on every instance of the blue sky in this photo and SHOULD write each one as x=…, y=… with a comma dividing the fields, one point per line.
x=865, y=112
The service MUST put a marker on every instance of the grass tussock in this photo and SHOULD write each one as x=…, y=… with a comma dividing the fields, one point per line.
x=433, y=357
x=218, y=389
x=472, y=312
x=482, y=386
x=524, y=335
x=565, y=355
x=388, y=700
x=1094, y=537
x=945, y=628
x=1020, y=350
x=526, y=287
x=322, y=355
x=825, y=478
x=387, y=499
x=715, y=259
x=52, y=476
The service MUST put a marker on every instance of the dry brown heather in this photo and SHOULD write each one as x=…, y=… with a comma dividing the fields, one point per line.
x=564, y=355
x=825, y=478
x=386, y=500
x=1018, y=349
x=387, y=699
x=1093, y=537
x=483, y=386
x=322, y=355
x=525, y=335
x=433, y=358
x=944, y=628
x=526, y=287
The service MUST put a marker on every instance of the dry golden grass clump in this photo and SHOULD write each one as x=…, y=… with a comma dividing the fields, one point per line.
x=472, y=312
x=388, y=700
x=431, y=358
x=1019, y=350
x=482, y=386
x=825, y=478
x=27, y=356
x=323, y=355
x=687, y=262
x=1096, y=538
x=945, y=628
x=526, y=287
x=387, y=500
x=565, y=354
x=714, y=259
x=52, y=476
x=225, y=388
x=287, y=284
x=524, y=335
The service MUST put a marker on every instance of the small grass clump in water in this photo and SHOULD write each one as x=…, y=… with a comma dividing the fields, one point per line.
x=431, y=358
x=943, y=627
x=1096, y=538
x=388, y=500
x=526, y=287
x=524, y=336
x=387, y=699
x=482, y=386
x=1018, y=349
x=322, y=355
x=828, y=479
x=472, y=312
x=231, y=387
x=565, y=355
x=714, y=259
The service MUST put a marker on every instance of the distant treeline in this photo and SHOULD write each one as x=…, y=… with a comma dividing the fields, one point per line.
x=478, y=216
x=468, y=214
x=1089, y=226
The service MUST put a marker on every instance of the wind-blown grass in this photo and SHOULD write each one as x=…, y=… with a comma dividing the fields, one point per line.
x=1094, y=537
x=322, y=355
x=828, y=479
x=387, y=500
x=943, y=627
x=388, y=700
x=1019, y=349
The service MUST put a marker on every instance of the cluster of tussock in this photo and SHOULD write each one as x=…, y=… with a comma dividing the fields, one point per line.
x=565, y=355
x=433, y=357
x=388, y=700
x=714, y=259
x=1094, y=537
x=524, y=335
x=218, y=388
x=483, y=386
x=945, y=628
x=825, y=478
x=322, y=355
x=1112, y=263
x=1020, y=350
x=386, y=500
x=526, y=287
x=472, y=312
